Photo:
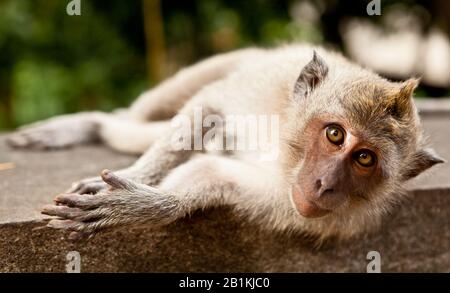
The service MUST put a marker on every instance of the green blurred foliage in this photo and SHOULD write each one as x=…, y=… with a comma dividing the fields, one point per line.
x=52, y=63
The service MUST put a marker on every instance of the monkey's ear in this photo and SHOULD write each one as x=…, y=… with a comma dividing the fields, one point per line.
x=310, y=77
x=422, y=160
x=402, y=104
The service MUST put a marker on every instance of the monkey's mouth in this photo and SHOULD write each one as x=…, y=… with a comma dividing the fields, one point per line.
x=305, y=207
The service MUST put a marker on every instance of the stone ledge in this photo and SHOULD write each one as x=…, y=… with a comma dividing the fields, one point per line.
x=414, y=238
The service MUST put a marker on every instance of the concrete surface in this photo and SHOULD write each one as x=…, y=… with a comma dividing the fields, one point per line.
x=414, y=238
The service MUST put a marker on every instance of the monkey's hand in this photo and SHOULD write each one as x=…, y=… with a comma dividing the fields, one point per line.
x=124, y=203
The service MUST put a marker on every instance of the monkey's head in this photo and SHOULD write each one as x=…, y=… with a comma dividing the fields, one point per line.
x=354, y=139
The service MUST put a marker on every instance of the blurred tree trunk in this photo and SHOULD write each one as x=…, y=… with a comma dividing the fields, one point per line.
x=6, y=119
x=154, y=37
x=442, y=9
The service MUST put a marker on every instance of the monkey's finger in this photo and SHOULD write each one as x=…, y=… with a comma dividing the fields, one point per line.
x=118, y=182
x=74, y=188
x=85, y=229
x=76, y=236
x=66, y=212
x=78, y=200
x=91, y=187
x=61, y=211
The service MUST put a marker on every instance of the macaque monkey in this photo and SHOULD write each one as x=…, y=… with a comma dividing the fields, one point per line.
x=348, y=140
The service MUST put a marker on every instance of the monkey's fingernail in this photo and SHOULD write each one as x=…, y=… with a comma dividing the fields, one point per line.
x=45, y=209
x=106, y=173
x=75, y=236
x=61, y=224
x=63, y=197
x=56, y=202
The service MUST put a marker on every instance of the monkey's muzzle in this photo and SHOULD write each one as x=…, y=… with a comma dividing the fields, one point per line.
x=306, y=207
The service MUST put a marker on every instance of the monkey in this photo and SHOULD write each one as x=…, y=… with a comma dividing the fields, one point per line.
x=349, y=139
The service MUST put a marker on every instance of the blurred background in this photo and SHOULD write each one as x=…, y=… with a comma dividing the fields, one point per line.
x=52, y=63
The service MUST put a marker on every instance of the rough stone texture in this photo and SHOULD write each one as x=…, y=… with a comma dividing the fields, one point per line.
x=39, y=176
x=414, y=238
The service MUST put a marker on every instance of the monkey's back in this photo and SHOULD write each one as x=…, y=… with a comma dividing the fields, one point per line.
x=263, y=83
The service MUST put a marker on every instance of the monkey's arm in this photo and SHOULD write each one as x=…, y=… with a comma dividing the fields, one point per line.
x=161, y=157
x=149, y=169
x=218, y=181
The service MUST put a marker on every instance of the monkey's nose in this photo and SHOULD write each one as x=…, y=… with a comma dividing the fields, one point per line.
x=318, y=184
x=323, y=189
x=328, y=191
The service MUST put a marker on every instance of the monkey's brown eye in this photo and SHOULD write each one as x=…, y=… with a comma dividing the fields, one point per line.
x=365, y=158
x=335, y=134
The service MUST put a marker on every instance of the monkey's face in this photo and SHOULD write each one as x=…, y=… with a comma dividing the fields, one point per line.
x=353, y=144
x=338, y=164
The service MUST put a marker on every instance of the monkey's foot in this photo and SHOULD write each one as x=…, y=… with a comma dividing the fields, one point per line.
x=55, y=133
x=125, y=202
